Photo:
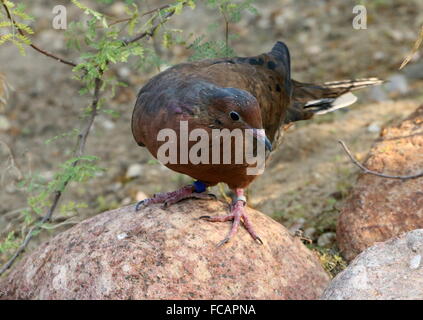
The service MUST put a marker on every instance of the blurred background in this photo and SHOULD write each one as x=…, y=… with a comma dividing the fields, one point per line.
x=306, y=179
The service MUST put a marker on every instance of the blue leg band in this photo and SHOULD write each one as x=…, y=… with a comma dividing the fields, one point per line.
x=199, y=186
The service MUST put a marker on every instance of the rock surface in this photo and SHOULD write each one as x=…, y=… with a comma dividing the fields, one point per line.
x=378, y=208
x=167, y=254
x=391, y=270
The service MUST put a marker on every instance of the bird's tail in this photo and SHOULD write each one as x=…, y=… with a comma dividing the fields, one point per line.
x=311, y=99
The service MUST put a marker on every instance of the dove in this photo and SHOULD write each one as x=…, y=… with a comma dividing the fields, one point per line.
x=252, y=94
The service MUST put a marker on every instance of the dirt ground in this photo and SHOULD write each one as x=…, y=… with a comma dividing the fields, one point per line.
x=305, y=180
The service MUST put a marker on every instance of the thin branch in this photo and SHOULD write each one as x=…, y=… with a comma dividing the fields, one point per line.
x=13, y=212
x=157, y=9
x=414, y=50
x=144, y=14
x=82, y=140
x=368, y=171
x=44, y=52
x=151, y=31
x=222, y=10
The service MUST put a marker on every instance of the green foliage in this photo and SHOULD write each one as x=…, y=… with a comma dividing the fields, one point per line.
x=72, y=207
x=75, y=169
x=71, y=133
x=9, y=243
x=231, y=11
x=21, y=20
x=210, y=49
x=330, y=259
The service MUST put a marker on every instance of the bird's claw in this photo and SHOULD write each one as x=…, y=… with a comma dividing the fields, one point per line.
x=141, y=204
x=237, y=213
x=224, y=241
x=167, y=199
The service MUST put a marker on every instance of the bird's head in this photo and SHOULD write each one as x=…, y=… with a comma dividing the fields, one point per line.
x=232, y=108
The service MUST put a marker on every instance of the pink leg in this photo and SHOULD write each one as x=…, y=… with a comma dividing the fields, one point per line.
x=169, y=198
x=237, y=212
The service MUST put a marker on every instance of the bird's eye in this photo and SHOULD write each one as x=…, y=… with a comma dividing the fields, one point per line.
x=234, y=115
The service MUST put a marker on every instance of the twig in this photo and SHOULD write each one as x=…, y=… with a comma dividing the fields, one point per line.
x=13, y=212
x=414, y=50
x=368, y=171
x=222, y=10
x=151, y=31
x=144, y=14
x=82, y=140
x=154, y=10
x=44, y=52
x=13, y=164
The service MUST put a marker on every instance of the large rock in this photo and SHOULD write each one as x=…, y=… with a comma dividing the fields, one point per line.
x=392, y=270
x=380, y=208
x=167, y=254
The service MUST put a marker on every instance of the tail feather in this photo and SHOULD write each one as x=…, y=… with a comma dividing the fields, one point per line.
x=326, y=105
x=311, y=99
x=351, y=85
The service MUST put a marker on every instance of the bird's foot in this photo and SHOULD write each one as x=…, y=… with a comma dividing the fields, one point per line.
x=237, y=213
x=169, y=198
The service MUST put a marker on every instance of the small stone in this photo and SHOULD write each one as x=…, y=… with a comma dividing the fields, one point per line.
x=124, y=72
x=379, y=55
x=47, y=175
x=4, y=123
x=310, y=233
x=122, y=236
x=107, y=124
x=135, y=170
x=118, y=9
x=312, y=50
x=415, y=262
x=378, y=94
x=326, y=239
x=397, y=84
x=374, y=128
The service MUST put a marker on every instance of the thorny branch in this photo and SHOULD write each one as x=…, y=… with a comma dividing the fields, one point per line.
x=46, y=53
x=151, y=31
x=125, y=41
x=82, y=137
x=368, y=171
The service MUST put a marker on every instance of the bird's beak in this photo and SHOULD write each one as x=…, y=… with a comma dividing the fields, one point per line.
x=268, y=144
x=261, y=136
